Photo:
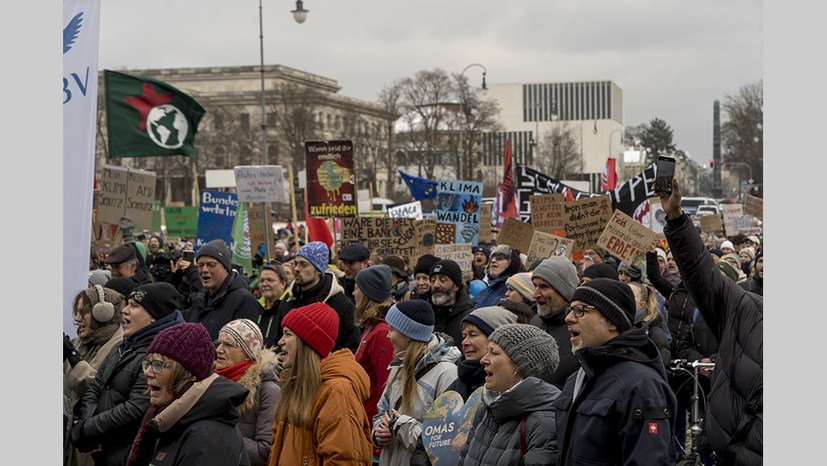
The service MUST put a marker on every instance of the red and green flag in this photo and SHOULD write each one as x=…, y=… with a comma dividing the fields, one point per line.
x=148, y=118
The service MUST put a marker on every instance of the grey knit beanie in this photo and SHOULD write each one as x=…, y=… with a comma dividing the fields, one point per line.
x=533, y=351
x=489, y=318
x=218, y=250
x=560, y=273
x=375, y=282
x=413, y=318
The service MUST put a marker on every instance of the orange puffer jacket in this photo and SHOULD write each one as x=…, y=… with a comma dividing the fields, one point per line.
x=340, y=432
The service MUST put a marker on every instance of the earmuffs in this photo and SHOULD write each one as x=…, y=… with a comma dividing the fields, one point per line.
x=102, y=311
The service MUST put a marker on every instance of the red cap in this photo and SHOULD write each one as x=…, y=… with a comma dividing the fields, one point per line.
x=316, y=324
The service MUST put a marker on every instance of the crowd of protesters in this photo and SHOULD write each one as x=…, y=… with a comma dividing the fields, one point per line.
x=319, y=357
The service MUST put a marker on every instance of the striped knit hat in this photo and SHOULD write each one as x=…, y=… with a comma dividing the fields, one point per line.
x=521, y=282
x=246, y=334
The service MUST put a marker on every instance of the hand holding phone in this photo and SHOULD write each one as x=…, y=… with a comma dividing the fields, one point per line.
x=188, y=255
x=665, y=172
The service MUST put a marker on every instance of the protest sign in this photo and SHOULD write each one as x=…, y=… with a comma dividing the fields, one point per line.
x=657, y=216
x=458, y=203
x=516, y=234
x=216, y=213
x=711, y=223
x=409, y=210
x=546, y=245
x=626, y=239
x=445, y=233
x=732, y=214
x=459, y=253
x=447, y=424
x=425, y=237
x=585, y=220
x=259, y=183
x=181, y=221
x=486, y=231
x=382, y=235
x=258, y=216
x=754, y=206
x=126, y=192
x=330, y=188
x=547, y=212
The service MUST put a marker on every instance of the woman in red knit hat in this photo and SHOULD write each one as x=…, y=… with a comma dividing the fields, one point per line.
x=320, y=416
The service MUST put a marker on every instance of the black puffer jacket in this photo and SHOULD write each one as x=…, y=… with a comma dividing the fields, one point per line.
x=495, y=439
x=114, y=404
x=206, y=433
x=231, y=301
x=625, y=412
x=555, y=325
x=735, y=410
x=448, y=319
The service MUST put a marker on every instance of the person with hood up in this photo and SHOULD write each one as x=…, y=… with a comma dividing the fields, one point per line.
x=110, y=411
x=242, y=357
x=193, y=411
x=617, y=408
x=422, y=369
x=320, y=417
x=503, y=263
x=449, y=300
x=515, y=424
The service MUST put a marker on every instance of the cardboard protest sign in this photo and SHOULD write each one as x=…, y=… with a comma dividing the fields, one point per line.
x=258, y=217
x=547, y=212
x=181, y=221
x=733, y=218
x=486, y=231
x=425, y=237
x=409, y=210
x=626, y=239
x=330, y=188
x=259, y=183
x=754, y=206
x=546, y=245
x=382, y=235
x=585, y=220
x=216, y=213
x=126, y=192
x=459, y=253
x=458, y=203
x=516, y=234
x=711, y=223
x=446, y=425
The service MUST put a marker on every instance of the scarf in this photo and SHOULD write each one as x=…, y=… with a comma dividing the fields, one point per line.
x=140, y=454
x=235, y=371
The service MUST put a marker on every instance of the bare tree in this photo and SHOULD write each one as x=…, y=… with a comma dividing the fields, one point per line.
x=559, y=153
x=476, y=116
x=295, y=109
x=742, y=135
x=390, y=99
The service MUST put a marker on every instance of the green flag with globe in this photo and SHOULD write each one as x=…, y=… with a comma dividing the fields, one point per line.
x=148, y=118
x=242, y=254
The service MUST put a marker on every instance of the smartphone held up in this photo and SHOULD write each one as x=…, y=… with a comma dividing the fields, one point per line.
x=665, y=172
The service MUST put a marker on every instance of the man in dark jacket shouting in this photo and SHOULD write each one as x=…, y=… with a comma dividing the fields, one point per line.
x=735, y=409
x=226, y=295
x=618, y=407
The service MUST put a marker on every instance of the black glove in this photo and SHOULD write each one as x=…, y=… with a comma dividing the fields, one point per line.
x=126, y=226
x=78, y=438
x=69, y=352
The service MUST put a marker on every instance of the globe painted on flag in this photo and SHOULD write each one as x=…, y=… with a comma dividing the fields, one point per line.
x=167, y=126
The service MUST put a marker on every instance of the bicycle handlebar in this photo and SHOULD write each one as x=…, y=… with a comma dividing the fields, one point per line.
x=678, y=364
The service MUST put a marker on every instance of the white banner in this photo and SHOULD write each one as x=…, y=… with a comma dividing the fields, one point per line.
x=259, y=183
x=409, y=210
x=81, y=21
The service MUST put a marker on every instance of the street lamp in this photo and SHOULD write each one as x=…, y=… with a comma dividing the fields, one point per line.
x=300, y=14
x=461, y=173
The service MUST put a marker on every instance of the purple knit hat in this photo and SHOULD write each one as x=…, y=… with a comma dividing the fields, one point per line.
x=317, y=253
x=190, y=345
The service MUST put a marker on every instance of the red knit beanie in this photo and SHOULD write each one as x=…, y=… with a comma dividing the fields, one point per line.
x=189, y=344
x=316, y=324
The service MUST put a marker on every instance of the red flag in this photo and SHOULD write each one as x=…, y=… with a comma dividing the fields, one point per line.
x=507, y=192
x=608, y=179
x=317, y=229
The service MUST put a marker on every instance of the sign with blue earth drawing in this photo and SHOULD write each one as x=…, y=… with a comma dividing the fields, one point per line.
x=458, y=204
x=446, y=425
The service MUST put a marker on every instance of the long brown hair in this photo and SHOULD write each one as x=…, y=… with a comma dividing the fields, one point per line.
x=299, y=387
x=413, y=353
x=650, y=301
x=368, y=310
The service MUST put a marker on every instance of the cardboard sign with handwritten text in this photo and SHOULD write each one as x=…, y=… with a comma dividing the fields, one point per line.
x=754, y=206
x=516, y=234
x=586, y=219
x=547, y=212
x=711, y=223
x=546, y=245
x=126, y=192
x=626, y=239
x=459, y=253
x=381, y=235
x=486, y=231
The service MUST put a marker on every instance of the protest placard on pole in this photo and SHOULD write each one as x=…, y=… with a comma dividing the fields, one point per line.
x=330, y=181
x=486, y=231
x=126, y=192
x=626, y=239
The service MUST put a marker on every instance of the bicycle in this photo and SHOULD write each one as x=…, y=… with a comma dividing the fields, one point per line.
x=693, y=457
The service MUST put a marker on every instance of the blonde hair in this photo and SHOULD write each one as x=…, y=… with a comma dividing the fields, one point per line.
x=299, y=386
x=368, y=310
x=413, y=353
x=650, y=302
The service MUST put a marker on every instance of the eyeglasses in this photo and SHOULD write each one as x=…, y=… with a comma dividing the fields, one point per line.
x=580, y=310
x=302, y=264
x=157, y=365
x=207, y=265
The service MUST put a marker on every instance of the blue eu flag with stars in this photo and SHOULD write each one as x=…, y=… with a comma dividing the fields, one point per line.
x=421, y=188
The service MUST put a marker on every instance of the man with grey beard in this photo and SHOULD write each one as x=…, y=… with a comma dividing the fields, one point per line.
x=449, y=299
x=554, y=282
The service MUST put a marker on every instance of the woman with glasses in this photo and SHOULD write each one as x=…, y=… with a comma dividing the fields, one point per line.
x=193, y=411
x=110, y=411
x=241, y=357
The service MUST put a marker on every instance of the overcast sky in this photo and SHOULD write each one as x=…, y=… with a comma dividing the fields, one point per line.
x=672, y=59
